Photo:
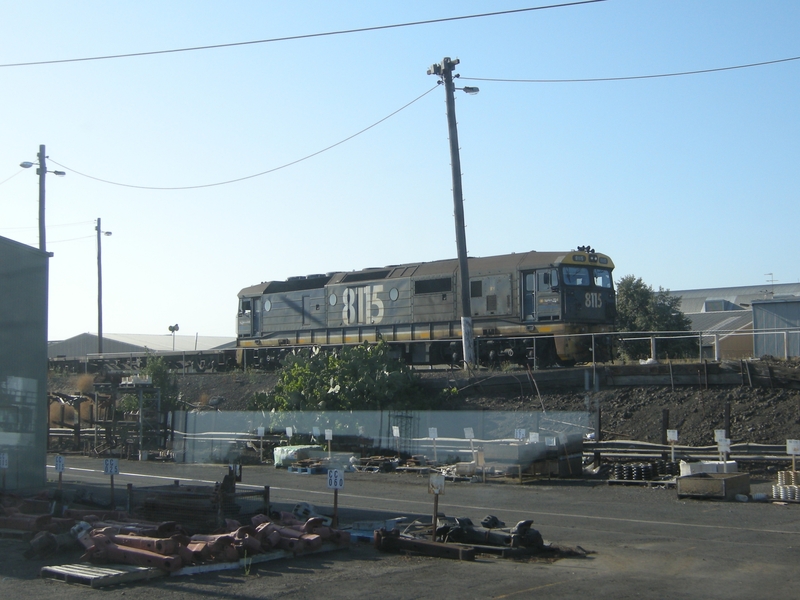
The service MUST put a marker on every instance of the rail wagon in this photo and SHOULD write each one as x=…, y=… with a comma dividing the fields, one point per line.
x=549, y=307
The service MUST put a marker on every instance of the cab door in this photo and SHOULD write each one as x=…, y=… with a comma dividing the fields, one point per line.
x=540, y=295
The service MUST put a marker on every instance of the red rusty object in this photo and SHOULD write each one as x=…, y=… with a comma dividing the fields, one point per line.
x=312, y=541
x=157, y=545
x=292, y=545
x=228, y=554
x=271, y=540
x=106, y=551
x=249, y=544
x=25, y=522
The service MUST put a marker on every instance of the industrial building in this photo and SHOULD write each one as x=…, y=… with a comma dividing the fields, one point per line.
x=23, y=365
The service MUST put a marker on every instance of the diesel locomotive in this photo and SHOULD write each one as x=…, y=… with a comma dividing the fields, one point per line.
x=548, y=307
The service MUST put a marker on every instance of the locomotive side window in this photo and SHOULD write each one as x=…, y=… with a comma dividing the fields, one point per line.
x=576, y=276
x=602, y=278
x=431, y=286
x=246, y=307
x=476, y=289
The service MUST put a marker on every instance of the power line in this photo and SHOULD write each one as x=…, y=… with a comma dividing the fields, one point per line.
x=303, y=36
x=12, y=177
x=678, y=74
x=49, y=226
x=229, y=181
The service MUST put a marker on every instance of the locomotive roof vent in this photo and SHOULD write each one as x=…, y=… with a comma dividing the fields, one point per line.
x=315, y=275
x=295, y=278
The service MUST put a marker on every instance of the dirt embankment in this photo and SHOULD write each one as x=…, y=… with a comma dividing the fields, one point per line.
x=758, y=414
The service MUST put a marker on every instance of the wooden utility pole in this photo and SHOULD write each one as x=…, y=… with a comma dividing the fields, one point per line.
x=445, y=71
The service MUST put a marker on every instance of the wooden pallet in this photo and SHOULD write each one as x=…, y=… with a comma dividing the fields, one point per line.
x=100, y=576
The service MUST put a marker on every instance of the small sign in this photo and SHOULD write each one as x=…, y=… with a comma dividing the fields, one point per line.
x=672, y=436
x=793, y=447
x=396, y=431
x=335, y=479
x=111, y=466
x=289, y=432
x=315, y=431
x=519, y=434
x=328, y=435
x=469, y=433
x=432, y=433
x=436, y=485
x=533, y=437
x=719, y=434
x=260, y=431
x=549, y=441
x=724, y=446
x=3, y=460
x=59, y=463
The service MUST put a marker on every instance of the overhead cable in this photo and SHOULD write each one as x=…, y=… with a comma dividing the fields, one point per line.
x=289, y=164
x=593, y=79
x=300, y=37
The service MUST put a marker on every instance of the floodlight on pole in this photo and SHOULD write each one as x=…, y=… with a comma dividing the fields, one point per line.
x=173, y=329
x=42, y=172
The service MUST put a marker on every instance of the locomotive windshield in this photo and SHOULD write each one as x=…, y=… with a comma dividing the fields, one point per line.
x=576, y=276
x=580, y=276
x=602, y=278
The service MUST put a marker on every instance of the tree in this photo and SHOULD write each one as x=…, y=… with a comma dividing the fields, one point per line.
x=360, y=377
x=157, y=368
x=640, y=308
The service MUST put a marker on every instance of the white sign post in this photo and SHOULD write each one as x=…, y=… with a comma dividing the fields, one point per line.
x=433, y=434
x=59, y=468
x=329, y=439
x=793, y=449
x=335, y=483
x=396, y=436
x=261, y=432
x=435, y=487
x=111, y=467
x=724, y=446
x=672, y=439
x=469, y=434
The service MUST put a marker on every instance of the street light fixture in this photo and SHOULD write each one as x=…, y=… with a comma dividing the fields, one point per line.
x=41, y=171
x=173, y=329
x=444, y=70
x=100, y=233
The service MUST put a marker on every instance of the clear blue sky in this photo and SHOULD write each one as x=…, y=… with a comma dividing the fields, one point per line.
x=687, y=181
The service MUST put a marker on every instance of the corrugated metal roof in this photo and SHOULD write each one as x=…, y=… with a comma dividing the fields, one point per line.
x=719, y=322
x=114, y=343
x=693, y=301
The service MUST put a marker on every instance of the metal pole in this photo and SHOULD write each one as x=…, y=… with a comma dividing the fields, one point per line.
x=99, y=290
x=42, y=172
x=445, y=71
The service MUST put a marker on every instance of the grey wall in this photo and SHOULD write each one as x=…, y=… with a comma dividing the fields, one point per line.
x=23, y=363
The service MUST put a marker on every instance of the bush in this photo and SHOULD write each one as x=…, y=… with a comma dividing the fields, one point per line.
x=360, y=377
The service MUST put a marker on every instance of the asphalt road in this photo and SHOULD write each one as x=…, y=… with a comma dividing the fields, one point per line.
x=644, y=542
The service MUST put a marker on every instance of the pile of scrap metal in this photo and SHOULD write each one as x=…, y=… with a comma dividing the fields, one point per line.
x=376, y=464
x=459, y=538
x=167, y=547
